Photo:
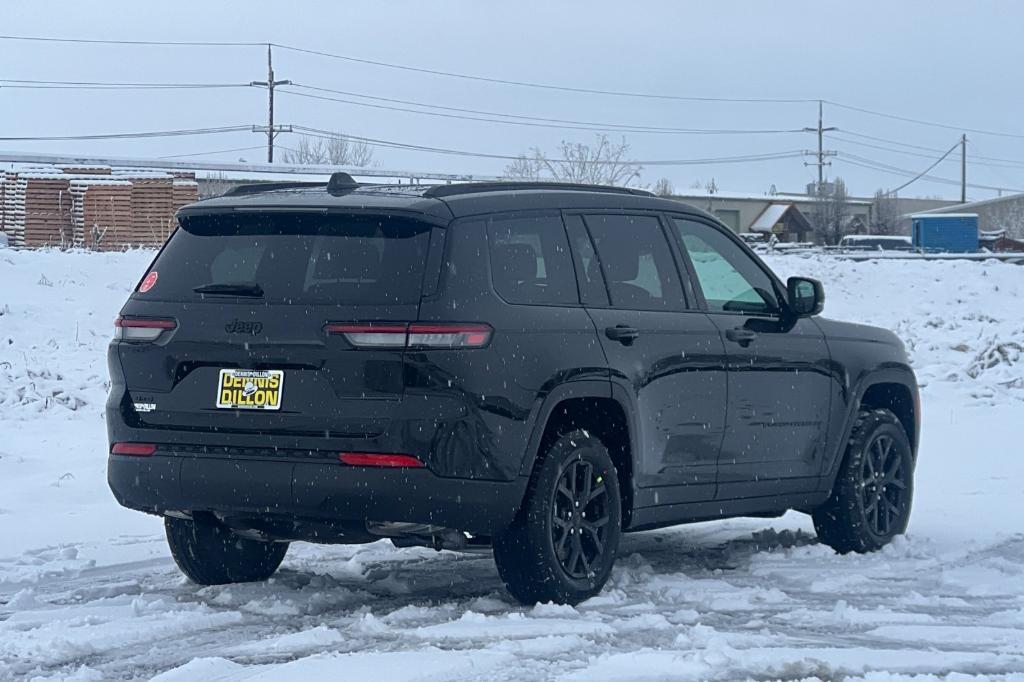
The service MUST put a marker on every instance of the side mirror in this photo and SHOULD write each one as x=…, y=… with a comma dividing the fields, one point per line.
x=806, y=296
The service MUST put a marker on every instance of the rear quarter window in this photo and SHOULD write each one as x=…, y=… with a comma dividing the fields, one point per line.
x=296, y=258
x=530, y=260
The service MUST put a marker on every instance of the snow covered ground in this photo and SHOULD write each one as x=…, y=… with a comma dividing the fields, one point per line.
x=88, y=590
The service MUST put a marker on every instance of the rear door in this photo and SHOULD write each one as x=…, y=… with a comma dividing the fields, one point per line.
x=666, y=357
x=779, y=369
x=260, y=292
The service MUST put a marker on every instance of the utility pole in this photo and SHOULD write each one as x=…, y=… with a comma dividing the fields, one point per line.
x=270, y=84
x=821, y=153
x=963, y=169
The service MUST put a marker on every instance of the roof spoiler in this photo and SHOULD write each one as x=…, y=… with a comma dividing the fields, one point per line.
x=338, y=184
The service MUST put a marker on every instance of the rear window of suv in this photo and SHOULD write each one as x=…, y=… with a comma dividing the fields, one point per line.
x=295, y=258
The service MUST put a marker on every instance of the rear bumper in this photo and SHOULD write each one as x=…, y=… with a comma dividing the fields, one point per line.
x=169, y=481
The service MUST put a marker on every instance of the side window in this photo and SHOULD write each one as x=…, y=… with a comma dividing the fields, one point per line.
x=530, y=260
x=636, y=261
x=730, y=279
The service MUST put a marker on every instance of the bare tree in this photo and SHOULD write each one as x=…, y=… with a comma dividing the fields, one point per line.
x=215, y=185
x=334, y=151
x=831, y=212
x=664, y=188
x=602, y=163
x=525, y=168
x=885, y=216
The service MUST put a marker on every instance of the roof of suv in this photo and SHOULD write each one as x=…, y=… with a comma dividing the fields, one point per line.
x=441, y=201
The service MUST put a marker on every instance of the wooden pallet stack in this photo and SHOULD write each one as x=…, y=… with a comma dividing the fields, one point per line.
x=86, y=170
x=46, y=204
x=3, y=201
x=185, y=191
x=96, y=207
x=102, y=212
x=152, y=203
x=11, y=207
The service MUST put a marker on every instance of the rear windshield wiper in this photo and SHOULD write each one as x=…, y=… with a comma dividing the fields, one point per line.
x=231, y=289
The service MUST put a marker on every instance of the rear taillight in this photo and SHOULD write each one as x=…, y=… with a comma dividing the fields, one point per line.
x=133, y=449
x=371, y=335
x=414, y=335
x=449, y=335
x=142, y=328
x=380, y=459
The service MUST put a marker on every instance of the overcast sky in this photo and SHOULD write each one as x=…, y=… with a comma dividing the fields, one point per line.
x=956, y=63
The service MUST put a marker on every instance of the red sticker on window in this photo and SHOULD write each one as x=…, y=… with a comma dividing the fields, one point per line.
x=148, y=283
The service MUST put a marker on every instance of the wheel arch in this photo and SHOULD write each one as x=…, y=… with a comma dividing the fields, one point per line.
x=591, y=406
x=893, y=389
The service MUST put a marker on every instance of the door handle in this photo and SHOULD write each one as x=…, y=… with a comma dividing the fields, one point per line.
x=623, y=334
x=741, y=336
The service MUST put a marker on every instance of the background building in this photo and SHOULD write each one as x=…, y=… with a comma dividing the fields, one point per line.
x=994, y=215
x=753, y=212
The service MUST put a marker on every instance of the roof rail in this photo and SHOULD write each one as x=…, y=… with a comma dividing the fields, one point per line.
x=438, y=191
x=257, y=187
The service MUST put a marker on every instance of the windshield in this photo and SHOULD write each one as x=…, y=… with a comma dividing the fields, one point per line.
x=339, y=259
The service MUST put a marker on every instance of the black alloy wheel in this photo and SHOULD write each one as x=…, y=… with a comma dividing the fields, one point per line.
x=884, y=485
x=579, y=519
x=873, y=490
x=562, y=544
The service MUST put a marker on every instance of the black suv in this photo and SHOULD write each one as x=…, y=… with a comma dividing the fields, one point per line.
x=535, y=368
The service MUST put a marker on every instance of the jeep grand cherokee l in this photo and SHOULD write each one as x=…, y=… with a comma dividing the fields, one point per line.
x=535, y=368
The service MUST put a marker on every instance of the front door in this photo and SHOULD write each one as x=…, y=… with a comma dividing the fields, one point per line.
x=779, y=381
x=667, y=358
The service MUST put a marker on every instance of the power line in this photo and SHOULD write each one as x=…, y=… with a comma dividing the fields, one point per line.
x=917, y=146
x=518, y=83
x=746, y=158
x=119, y=136
x=995, y=163
x=627, y=127
x=918, y=121
x=871, y=164
x=12, y=83
x=560, y=126
x=173, y=43
x=544, y=86
x=926, y=170
x=217, y=151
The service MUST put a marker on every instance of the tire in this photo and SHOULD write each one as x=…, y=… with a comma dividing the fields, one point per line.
x=209, y=553
x=551, y=552
x=872, y=495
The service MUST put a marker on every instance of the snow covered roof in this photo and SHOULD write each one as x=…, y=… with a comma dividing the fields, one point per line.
x=769, y=217
x=939, y=214
x=959, y=208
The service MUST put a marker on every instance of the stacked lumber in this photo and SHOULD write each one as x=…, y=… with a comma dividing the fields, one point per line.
x=3, y=194
x=185, y=191
x=152, y=205
x=86, y=170
x=46, y=205
x=13, y=209
x=102, y=212
x=95, y=207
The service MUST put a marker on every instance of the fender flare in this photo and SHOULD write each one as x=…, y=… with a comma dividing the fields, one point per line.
x=890, y=374
x=581, y=388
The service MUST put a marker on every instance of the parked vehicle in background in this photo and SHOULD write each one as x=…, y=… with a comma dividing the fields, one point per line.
x=533, y=367
x=875, y=242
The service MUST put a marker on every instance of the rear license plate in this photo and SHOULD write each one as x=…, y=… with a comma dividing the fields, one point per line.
x=250, y=389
